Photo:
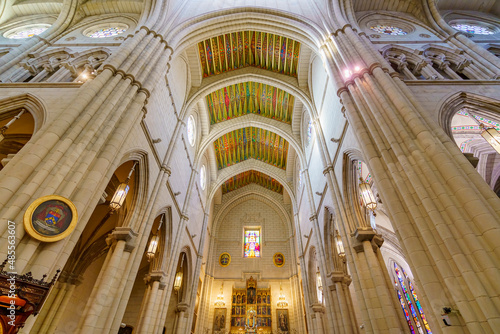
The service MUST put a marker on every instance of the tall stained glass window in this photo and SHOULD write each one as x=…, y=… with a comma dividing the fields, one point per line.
x=252, y=243
x=410, y=304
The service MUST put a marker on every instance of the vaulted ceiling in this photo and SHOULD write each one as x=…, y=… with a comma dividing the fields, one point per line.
x=248, y=177
x=249, y=48
x=250, y=98
x=251, y=143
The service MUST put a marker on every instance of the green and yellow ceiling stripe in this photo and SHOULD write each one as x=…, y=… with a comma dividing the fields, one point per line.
x=249, y=48
x=242, y=144
x=252, y=176
x=250, y=98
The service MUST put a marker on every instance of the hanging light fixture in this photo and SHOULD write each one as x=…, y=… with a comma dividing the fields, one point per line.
x=492, y=136
x=367, y=195
x=339, y=244
x=282, y=303
x=6, y=126
x=121, y=192
x=220, y=297
x=153, y=244
x=178, y=277
x=178, y=281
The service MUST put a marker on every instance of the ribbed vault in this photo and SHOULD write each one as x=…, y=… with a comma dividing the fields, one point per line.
x=251, y=177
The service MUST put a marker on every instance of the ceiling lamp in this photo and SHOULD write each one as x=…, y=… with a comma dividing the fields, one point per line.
x=282, y=303
x=367, y=195
x=339, y=244
x=220, y=297
x=178, y=281
x=121, y=192
x=153, y=244
x=492, y=136
x=6, y=126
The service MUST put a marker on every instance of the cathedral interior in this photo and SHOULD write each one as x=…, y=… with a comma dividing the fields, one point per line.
x=250, y=166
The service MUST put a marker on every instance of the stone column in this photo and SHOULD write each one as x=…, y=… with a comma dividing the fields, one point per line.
x=147, y=316
x=182, y=326
x=101, y=301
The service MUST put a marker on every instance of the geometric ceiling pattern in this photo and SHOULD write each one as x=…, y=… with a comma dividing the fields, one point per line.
x=245, y=178
x=251, y=143
x=250, y=98
x=249, y=48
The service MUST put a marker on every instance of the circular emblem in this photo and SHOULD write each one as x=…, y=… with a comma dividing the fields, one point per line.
x=224, y=259
x=279, y=260
x=50, y=218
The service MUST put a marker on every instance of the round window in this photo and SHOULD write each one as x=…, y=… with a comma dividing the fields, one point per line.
x=203, y=177
x=104, y=31
x=388, y=30
x=473, y=29
x=26, y=31
x=191, y=130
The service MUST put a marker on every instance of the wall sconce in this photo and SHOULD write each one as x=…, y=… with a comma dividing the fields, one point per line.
x=367, y=195
x=492, y=136
x=339, y=244
x=121, y=192
x=153, y=244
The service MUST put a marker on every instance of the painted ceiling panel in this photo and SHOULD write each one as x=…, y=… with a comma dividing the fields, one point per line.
x=248, y=177
x=249, y=48
x=251, y=143
x=250, y=98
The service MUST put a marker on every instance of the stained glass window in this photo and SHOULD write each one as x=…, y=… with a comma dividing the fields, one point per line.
x=106, y=32
x=191, y=130
x=252, y=243
x=203, y=177
x=410, y=303
x=388, y=30
x=473, y=29
x=309, y=132
x=27, y=32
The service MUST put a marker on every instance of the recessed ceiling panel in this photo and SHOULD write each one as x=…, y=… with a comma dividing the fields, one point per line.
x=251, y=143
x=248, y=177
x=249, y=48
x=250, y=98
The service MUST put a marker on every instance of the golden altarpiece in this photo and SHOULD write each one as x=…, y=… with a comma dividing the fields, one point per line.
x=251, y=309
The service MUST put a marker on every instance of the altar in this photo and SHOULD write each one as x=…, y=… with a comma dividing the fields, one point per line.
x=251, y=309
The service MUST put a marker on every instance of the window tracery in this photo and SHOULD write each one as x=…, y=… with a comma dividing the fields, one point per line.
x=104, y=32
x=473, y=29
x=26, y=32
x=388, y=30
x=410, y=303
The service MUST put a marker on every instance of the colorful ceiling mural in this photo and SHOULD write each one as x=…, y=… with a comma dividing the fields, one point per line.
x=251, y=143
x=250, y=98
x=249, y=48
x=251, y=176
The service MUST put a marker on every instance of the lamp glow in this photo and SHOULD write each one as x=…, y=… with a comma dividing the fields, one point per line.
x=339, y=244
x=367, y=195
x=319, y=281
x=220, y=298
x=153, y=245
x=119, y=196
x=282, y=303
x=178, y=281
x=492, y=136
x=121, y=192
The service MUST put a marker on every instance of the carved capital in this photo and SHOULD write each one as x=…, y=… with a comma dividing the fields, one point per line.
x=123, y=233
